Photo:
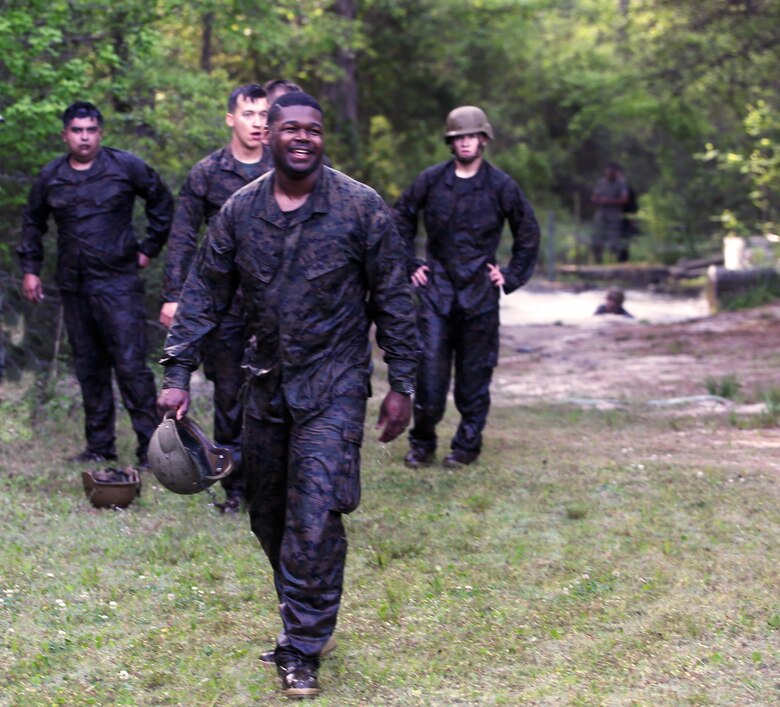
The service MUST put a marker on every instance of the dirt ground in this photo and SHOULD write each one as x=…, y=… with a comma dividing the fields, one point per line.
x=555, y=350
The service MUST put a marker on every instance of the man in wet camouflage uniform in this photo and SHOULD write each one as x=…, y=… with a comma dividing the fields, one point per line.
x=90, y=192
x=609, y=195
x=466, y=201
x=319, y=259
x=209, y=185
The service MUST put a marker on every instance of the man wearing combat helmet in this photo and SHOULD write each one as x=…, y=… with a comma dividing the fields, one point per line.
x=465, y=201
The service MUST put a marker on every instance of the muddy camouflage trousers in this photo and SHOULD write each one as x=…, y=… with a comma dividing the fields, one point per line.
x=471, y=344
x=300, y=479
x=222, y=351
x=106, y=325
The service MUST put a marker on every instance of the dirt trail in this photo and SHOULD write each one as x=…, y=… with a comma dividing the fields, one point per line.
x=555, y=350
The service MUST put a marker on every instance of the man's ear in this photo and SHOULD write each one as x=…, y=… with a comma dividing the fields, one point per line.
x=229, y=120
x=265, y=138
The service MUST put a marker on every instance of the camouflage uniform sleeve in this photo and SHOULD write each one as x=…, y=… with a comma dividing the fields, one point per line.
x=206, y=296
x=183, y=242
x=34, y=227
x=406, y=214
x=525, y=236
x=390, y=300
x=158, y=204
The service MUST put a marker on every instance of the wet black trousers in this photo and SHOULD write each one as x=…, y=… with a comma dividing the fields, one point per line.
x=470, y=345
x=107, y=330
x=300, y=479
x=222, y=351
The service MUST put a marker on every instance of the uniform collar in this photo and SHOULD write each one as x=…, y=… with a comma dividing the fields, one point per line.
x=267, y=209
x=67, y=173
x=229, y=163
x=479, y=178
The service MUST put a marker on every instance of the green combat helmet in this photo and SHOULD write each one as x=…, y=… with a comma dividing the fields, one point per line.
x=466, y=120
x=183, y=459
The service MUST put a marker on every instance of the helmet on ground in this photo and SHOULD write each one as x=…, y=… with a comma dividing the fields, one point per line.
x=466, y=120
x=111, y=488
x=183, y=459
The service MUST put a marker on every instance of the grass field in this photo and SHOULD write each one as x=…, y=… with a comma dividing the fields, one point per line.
x=590, y=558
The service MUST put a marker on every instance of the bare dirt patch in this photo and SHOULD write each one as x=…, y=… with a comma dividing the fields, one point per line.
x=609, y=361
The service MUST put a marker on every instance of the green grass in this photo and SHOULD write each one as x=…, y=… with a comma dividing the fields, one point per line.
x=587, y=559
x=725, y=387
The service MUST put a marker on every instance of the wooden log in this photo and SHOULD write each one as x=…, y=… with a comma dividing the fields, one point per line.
x=725, y=286
x=636, y=275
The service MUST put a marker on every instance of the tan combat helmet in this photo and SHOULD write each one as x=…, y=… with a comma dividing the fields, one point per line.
x=466, y=120
x=111, y=488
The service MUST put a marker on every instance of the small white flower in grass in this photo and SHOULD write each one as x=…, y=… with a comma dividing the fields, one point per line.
x=61, y=604
x=585, y=575
x=141, y=576
x=9, y=592
x=62, y=634
x=112, y=604
x=104, y=616
x=171, y=597
x=123, y=675
x=10, y=630
x=50, y=574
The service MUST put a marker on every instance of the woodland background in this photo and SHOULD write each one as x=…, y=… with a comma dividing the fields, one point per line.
x=683, y=93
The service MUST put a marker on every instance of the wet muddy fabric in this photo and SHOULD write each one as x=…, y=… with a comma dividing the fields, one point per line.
x=106, y=326
x=304, y=476
x=463, y=232
x=458, y=308
x=470, y=346
x=313, y=281
x=93, y=210
x=210, y=183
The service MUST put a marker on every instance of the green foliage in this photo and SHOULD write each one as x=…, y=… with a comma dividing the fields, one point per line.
x=681, y=92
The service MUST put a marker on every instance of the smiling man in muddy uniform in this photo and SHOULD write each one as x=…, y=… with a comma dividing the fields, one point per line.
x=466, y=201
x=318, y=259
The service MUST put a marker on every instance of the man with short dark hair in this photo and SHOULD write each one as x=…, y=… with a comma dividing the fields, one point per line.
x=90, y=192
x=319, y=259
x=208, y=186
x=465, y=202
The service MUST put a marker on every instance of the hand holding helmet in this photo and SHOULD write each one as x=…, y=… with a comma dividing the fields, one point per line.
x=182, y=458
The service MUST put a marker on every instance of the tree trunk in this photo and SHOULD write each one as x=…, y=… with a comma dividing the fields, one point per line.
x=343, y=94
x=205, y=44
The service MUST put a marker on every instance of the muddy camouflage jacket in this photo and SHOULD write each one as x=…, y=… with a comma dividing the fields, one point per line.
x=463, y=234
x=313, y=281
x=210, y=183
x=93, y=210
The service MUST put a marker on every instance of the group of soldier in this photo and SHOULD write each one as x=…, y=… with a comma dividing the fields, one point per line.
x=298, y=262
